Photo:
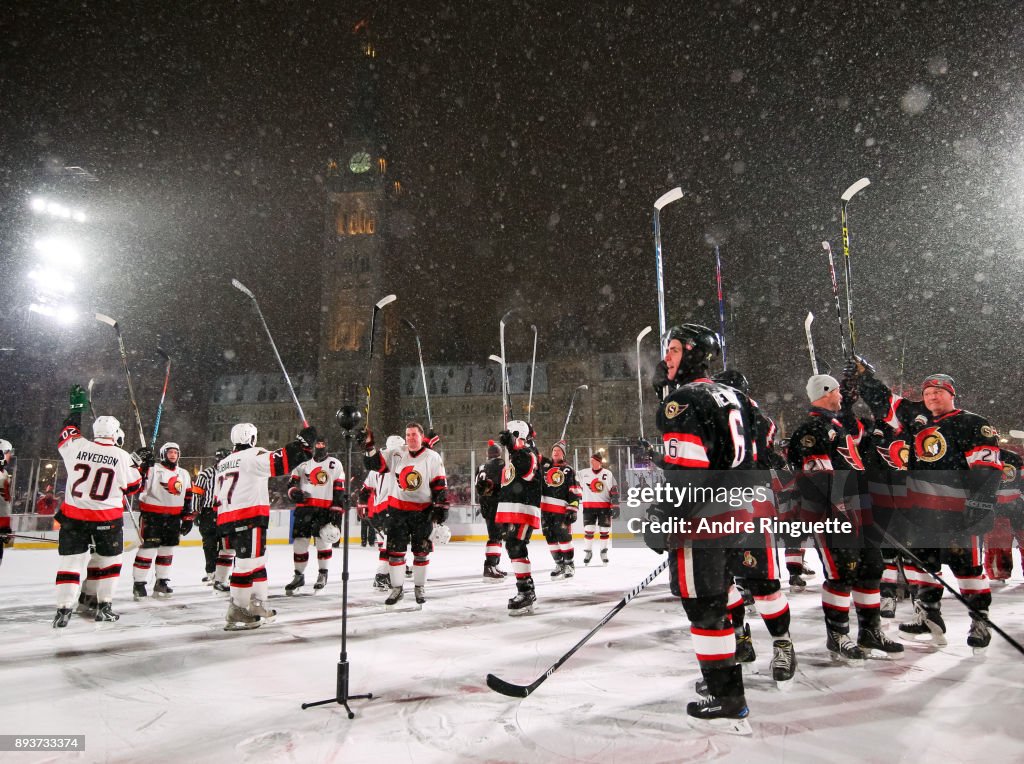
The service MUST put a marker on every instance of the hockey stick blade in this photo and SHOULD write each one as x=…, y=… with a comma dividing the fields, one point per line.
x=243, y=289
x=669, y=197
x=106, y=320
x=510, y=690
x=496, y=359
x=163, y=353
x=1019, y=434
x=644, y=333
x=385, y=301
x=856, y=188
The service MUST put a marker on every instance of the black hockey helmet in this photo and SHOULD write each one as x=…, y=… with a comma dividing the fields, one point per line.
x=700, y=344
x=734, y=379
x=221, y=453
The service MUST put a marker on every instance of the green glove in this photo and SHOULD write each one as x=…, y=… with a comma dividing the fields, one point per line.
x=79, y=399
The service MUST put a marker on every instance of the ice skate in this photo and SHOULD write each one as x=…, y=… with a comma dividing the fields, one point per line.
x=874, y=639
x=979, y=636
x=86, y=605
x=568, y=570
x=587, y=557
x=727, y=715
x=105, y=613
x=807, y=572
x=783, y=661
x=558, y=572
x=139, y=590
x=208, y=579
x=382, y=582
x=62, y=618
x=926, y=628
x=258, y=608
x=394, y=597
x=604, y=556
x=297, y=582
x=418, y=592
x=240, y=619
x=321, y=581
x=522, y=603
x=745, y=646
x=493, y=573
x=842, y=648
x=797, y=583
x=887, y=609
x=408, y=571
x=162, y=589
x=220, y=588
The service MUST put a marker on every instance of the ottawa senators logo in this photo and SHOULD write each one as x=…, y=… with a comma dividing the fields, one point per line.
x=508, y=474
x=808, y=441
x=597, y=485
x=409, y=479
x=554, y=477
x=174, y=486
x=1009, y=472
x=851, y=454
x=318, y=476
x=896, y=454
x=930, y=445
x=988, y=431
x=673, y=409
x=748, y=560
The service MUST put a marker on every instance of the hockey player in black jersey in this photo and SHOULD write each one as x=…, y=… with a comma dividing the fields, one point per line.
x=831, y=485
x=704, y=426
x=954, y=475
x=488, y=484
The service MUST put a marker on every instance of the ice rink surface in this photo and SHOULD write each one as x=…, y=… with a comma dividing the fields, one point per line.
x=167, y=684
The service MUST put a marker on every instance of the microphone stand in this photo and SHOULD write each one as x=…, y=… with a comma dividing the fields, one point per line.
x=341, y=692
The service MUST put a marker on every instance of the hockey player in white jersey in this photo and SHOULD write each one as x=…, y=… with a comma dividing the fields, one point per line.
x=600, y=505
x=377, y=488
x=417, y=500
x=243, y=515
x=165, y=514
x=318, y=489
x=100, y=475
x=6, y=494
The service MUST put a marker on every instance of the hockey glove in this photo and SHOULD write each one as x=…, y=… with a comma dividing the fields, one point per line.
x=570, y=516
x=646, y=446
x=979, y=517
x=143, y=458
x=660, y=380
x=186, y=524
x=368, y=442
x=614, y=513
x=307, y=437
x=432, y=439
x=298, y=495
x=438, y=514
x=79, y=400
x=507, y=439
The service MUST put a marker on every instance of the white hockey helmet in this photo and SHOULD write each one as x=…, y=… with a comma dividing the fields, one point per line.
x=441, y=534
x=119, y=438
x=167, y=447
x=5, y=446
x=106, y=427
x=243, y=434
x=518, y=428
x=330, y=533
x=394, y=442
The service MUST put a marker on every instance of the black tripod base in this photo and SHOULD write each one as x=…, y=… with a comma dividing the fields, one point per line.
x=342, y=698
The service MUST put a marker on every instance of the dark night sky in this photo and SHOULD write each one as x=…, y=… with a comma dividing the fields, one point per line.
x=532, y=143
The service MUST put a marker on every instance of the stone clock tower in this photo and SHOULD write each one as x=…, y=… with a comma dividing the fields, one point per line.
x=353, y=272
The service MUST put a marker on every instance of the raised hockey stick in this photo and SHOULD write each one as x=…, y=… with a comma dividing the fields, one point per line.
x=976, y=614
x=533, y=368
x=92, y=411
x=423, y=370
x=506, y=394
x=810, y=342
x=667, y=198
x=827, y=246
x=848, y=194
x=506, y=407
x=377, y=308
x=521, y=691
x=163, y=395
x=273, y=346
x=572, y=402
x=721, y=303
x=128, y=375
x=639, y=379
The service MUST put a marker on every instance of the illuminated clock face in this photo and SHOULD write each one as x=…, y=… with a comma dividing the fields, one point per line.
x=360, y=162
